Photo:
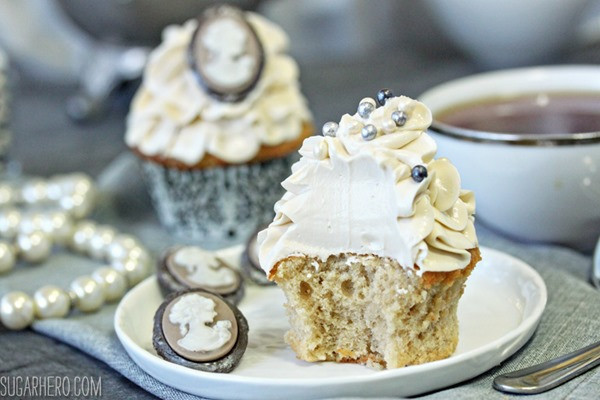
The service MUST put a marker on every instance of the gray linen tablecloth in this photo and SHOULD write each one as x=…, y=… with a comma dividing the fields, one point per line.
x=571, y=319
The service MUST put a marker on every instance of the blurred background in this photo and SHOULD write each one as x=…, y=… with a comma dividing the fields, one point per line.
x=74, y=65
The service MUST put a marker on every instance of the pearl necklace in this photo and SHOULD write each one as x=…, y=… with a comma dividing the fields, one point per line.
x=31, y=235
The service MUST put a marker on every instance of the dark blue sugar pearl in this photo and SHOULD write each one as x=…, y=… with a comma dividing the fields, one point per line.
x=419, y=173
x=383, y=95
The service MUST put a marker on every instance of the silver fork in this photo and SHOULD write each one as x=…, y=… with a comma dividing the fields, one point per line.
x=550, y=374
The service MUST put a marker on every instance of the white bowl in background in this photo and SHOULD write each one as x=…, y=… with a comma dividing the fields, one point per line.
x=535, y=187
x=510, y=33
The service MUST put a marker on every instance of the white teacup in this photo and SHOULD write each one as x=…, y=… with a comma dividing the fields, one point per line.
x=535, y=187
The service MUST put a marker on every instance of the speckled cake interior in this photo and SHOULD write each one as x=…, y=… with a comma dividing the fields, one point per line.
x=369, y=310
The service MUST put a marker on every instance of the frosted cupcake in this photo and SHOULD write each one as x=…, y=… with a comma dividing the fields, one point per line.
x=216, y=121
x=373, y=241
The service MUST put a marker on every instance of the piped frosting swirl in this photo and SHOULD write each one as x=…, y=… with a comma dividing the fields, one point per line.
x=173, y=117
x=351, y=194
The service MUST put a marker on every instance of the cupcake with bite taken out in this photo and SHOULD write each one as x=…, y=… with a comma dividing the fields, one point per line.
x=216, y=123
x=373, y=241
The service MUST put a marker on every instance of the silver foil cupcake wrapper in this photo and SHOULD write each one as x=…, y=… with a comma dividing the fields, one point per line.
x=220, y=206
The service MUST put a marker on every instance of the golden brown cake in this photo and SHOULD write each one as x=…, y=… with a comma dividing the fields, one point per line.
x=373, y=241
x=349, y=312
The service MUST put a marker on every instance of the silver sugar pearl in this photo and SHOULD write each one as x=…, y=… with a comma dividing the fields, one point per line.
x=399, y=118
x=330, y=128
x=369, y=132
x=366, y=107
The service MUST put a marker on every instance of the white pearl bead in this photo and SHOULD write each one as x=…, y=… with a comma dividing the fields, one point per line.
x=88, y=294
x=35, y=246
x=32, y=222
x=120, y=247
x=10, y=219
x=100, y=241
x=354, y=126
x=135, y=269
x=77, y=204
x=139, y=252
x=321, y=150
x=389, y=126
x=62, y=185
x=53, y=189
x=7, y=257
x=60, y=226
x=34, y=191
x=51, y=302
x=82, y=235
x=16, y=310
x=114, y=284
x=82, y=184
x=7, y=196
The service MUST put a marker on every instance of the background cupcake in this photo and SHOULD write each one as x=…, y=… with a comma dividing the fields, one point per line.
x=216, y=122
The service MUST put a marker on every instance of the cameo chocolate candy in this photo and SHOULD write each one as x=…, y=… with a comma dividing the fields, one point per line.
x=191, y=267
x=250, y=263
x=226, y=53
x=200, y=330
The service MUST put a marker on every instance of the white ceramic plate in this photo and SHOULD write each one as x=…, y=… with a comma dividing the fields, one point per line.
x=501, y=307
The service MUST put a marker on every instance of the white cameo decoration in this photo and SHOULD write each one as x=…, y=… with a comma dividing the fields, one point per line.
x=193, y=313
x=227, y=64
x=203, y=267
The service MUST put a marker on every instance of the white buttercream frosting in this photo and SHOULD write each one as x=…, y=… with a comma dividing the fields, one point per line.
x=350, y=195
x=172, y=116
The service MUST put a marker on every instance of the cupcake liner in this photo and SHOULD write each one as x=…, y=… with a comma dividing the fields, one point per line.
x=220, y=206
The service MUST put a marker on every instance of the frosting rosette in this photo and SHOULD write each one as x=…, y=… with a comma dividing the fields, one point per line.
x=173, y=117
x=373, y=186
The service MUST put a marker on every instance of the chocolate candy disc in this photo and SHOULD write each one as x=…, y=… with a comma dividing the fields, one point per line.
x=191, y=267
x=226, y=53
x=206, y=337
x=200, y=330
x=196, y=268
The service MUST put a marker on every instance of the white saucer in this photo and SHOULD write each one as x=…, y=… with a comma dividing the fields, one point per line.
x=501, y=307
